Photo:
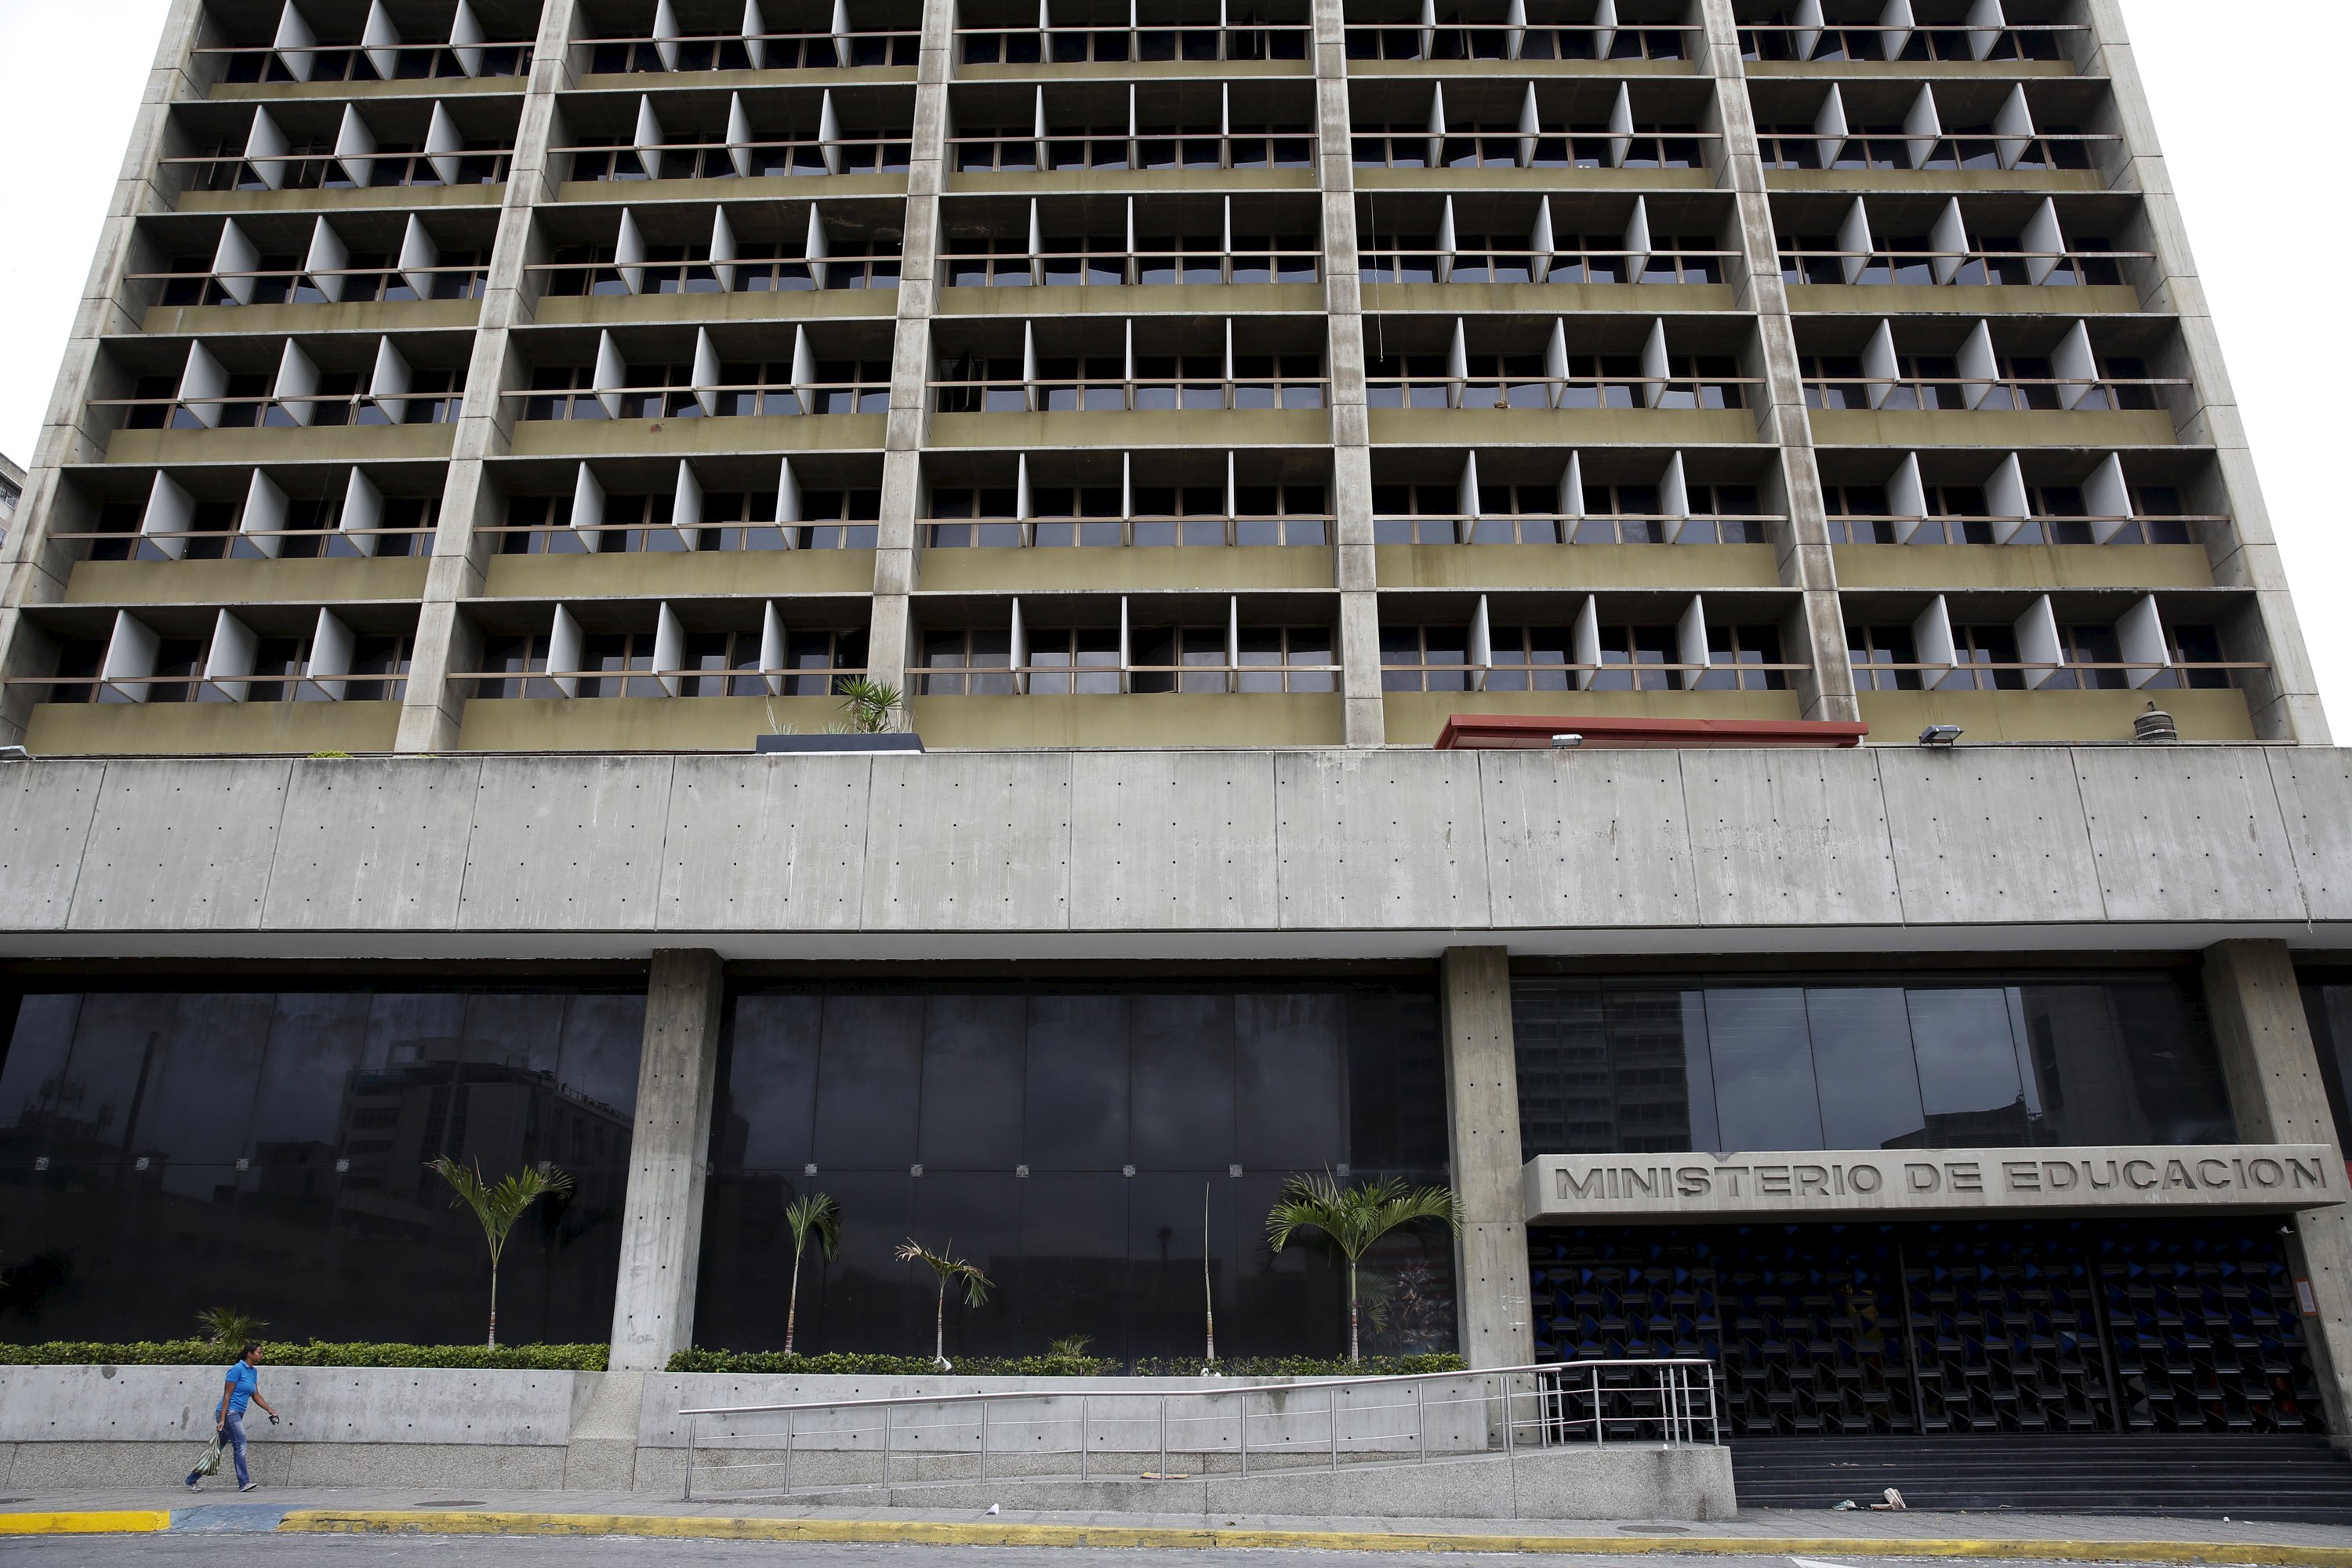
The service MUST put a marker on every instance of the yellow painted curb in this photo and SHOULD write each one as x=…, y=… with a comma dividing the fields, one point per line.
x=927, y=1532
x=121, y=1522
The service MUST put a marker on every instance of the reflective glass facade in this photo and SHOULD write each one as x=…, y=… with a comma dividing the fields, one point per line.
x=1864, y=1062
x=1068, y=1139
x=163, y=1151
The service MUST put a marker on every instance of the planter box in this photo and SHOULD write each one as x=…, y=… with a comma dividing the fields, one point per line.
x=888, y=744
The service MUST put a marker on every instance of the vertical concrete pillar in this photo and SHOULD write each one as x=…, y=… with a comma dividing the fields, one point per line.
x=432, y=711
x=897, y=554
x=1358, y=649
x=2272, y=1070
x=1482, y=1102
x=661, y=1228
x=1814, y=634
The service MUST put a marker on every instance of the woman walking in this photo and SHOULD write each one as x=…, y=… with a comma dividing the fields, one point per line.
x=239, y=1384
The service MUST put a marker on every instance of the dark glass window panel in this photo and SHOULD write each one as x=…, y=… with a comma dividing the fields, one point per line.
x=1085, y=1253
x=972, y=1083
x=1182, y=1049
x=1396, y=1082
x=1289, y=1098
x=329, y=1102
x=869, y=1082
x=1869, y=1091
x=974, y=1215
x=1968, y=1082
x=1763, y=1061
x=42, y=1107
x=1067, y=1276
x=1168, y=1296
x=766, y=1118
x=2181, y=1090
x=1077, y=1083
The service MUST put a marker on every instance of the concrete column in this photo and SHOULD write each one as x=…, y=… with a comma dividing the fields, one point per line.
x=1482, y=1102
x=897, y=554
x=1358, y=646
x=1815, y=634
x=2272, y=1070
x=431, y=712
x=661, y=1229
x=2284, y=699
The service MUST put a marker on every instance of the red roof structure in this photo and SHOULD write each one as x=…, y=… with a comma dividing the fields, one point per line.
x=1527, y=732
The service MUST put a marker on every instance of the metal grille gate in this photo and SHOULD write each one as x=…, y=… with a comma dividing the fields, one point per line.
x=2166, y=1325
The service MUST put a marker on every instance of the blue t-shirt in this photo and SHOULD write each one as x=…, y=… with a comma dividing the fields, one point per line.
x=242, y=1382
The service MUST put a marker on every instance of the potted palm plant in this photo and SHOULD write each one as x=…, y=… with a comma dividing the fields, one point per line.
x=949, y=1270
x=1353, y=1218
x=872, y=711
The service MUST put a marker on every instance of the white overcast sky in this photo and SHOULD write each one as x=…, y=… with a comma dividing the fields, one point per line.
x=2247, y=113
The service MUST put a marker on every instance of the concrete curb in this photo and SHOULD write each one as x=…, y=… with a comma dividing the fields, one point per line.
x=394, y=1522
x=111, y=1521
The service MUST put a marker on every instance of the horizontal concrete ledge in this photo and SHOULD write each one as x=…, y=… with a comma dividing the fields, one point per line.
x=1178, y=854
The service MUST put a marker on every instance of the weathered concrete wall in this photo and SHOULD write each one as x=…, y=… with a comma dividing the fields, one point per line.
x=1176, y=856
x=1632, y=1481
x=90, y=1426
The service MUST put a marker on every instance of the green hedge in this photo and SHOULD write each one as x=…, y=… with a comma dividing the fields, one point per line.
x=1300, y=1366
x=853, y=1365
x=317, y=1352
x=1048, y=1367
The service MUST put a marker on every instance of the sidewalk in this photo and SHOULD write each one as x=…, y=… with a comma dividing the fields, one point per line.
x=2052, y=1537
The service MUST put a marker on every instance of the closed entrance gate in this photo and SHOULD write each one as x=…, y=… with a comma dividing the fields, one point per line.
x=2162, y=1325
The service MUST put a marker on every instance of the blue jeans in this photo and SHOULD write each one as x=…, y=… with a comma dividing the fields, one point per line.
x=234, y=1428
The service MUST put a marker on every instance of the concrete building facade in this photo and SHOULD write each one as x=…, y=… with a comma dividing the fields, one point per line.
x=1658, y=612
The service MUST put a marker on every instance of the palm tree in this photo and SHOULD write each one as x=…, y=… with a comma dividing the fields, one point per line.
x=497, y=1207
x=816, y=1214
x=1354, y=1218
x=872, y=705
x=947, y=1268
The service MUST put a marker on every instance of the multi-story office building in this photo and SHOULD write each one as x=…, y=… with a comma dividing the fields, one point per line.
x=12, y=490
x=1257, y=440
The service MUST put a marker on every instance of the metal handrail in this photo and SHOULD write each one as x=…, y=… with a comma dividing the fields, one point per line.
x=1477, y=390
x=1681, y=1410
x=452, y=400
x=723, y=144
x=1129, y=390
x=386, y=269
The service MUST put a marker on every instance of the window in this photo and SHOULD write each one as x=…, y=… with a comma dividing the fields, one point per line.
x=1864, y=1062
x=966, y=663
x=1872, y=649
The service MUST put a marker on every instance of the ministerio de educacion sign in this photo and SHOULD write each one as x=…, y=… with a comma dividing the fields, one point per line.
x=1901, y=1184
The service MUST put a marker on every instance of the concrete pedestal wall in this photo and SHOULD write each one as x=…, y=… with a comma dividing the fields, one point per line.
x=143, y=1425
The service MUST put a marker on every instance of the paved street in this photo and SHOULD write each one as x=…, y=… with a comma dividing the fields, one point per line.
x=480, y=1552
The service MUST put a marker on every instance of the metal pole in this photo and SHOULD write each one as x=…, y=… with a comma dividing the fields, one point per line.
x=690, y=1422
x=1599, y=1427
x=983, y=1439
x=1335, y=1426
x=885, y=1447
x=789, y=1418
x=1509, y=1436
x=1241, y=1416
x=1163, y=1437
x=1421, y=1419
x=1085, y=1406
